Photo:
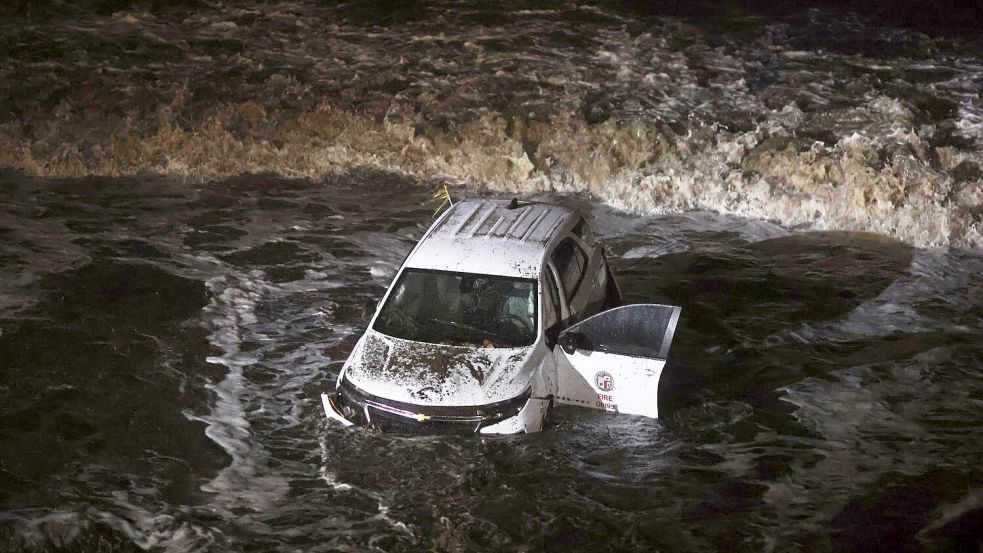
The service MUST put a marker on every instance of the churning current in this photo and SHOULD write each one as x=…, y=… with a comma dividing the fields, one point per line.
x=203, y=202
x=162, y=347
x=812, y=119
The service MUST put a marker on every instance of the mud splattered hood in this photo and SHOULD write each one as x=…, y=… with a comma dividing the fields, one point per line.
x=435, y=374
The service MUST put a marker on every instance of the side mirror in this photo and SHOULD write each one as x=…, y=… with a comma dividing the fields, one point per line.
x=572, y=341
x=552, y=335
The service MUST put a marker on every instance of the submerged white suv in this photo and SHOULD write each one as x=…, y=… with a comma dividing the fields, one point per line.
x=502, y=310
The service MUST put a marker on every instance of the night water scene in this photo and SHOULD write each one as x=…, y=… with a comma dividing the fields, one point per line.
x=488, y=276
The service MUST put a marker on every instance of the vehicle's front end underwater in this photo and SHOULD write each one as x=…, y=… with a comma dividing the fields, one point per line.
x=358, y=407
x=447, y=352
x=397, y=385
x=500, y=312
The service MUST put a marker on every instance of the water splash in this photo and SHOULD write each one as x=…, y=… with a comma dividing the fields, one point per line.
x=818, y=121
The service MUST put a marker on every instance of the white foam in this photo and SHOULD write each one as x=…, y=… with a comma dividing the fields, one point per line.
x=744, y=150
x=247, y=482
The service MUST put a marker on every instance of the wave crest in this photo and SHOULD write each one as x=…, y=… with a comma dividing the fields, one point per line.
x=661, y=120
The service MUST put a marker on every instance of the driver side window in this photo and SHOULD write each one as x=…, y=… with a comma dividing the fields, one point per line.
x=552, y=312
x=571, y=263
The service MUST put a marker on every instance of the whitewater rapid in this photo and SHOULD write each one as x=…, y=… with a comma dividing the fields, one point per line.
x=813, y=120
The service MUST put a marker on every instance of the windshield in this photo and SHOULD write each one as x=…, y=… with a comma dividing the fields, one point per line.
x=460, y=309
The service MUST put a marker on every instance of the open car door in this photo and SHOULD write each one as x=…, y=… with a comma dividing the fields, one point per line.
x=613, y=360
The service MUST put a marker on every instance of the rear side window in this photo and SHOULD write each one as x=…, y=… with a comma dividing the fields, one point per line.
x=571, y=263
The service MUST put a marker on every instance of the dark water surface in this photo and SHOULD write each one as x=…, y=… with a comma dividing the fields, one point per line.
x=162, y=347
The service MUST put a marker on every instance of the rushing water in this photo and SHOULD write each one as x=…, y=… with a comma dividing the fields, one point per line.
x=162, y=347
x=166, y=324
x=809, y=118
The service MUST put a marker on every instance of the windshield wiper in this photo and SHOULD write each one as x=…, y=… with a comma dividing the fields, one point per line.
x=486, y=334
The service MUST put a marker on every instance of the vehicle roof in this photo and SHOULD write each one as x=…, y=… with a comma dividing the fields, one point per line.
x=487, y=237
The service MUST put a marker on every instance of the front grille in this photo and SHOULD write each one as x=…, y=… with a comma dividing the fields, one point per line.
x=365, y=409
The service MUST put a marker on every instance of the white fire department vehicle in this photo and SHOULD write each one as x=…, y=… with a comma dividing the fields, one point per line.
x=502, y=311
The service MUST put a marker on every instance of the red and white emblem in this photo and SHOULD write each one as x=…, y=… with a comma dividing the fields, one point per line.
x=604, y=381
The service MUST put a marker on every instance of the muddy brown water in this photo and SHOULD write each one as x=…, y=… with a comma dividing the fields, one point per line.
x=162, y=347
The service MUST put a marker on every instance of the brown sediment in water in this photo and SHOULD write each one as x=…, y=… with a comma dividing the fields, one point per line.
x=652, y=120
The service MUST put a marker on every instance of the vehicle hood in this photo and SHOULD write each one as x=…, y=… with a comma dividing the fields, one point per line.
x=436, y=374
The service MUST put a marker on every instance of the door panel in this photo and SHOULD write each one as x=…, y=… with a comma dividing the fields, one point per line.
x=613, y=383
x=613, y=361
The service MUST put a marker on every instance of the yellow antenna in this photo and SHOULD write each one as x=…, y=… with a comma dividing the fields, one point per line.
x=444, y=195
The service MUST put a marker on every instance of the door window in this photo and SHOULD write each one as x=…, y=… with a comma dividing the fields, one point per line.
x=552, y=313
x=571, y=263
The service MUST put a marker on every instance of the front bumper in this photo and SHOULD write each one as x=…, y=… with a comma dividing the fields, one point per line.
x=351, y=406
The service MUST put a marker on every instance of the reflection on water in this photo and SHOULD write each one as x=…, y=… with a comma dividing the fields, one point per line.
x=162, y=347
